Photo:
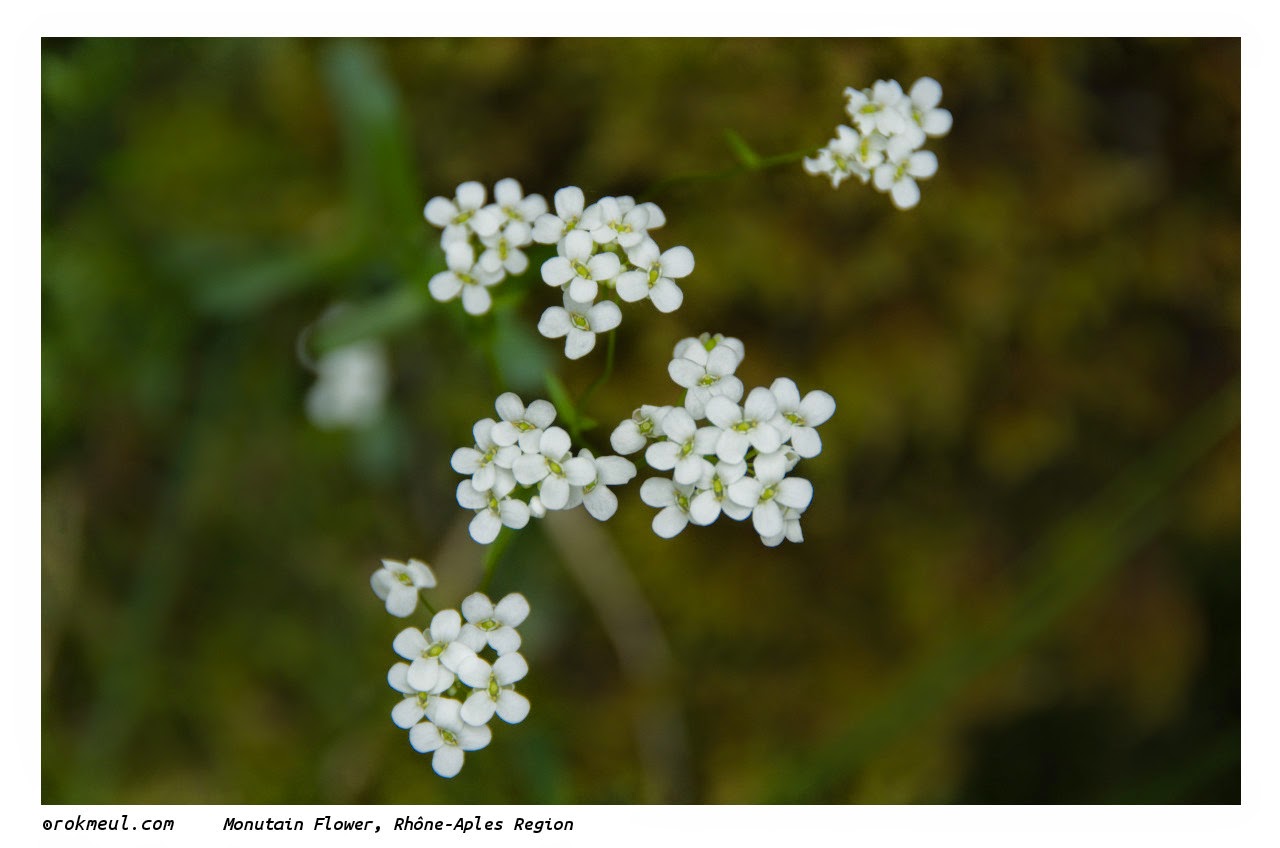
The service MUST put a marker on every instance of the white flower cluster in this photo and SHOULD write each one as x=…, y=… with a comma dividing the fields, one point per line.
x=482, y=243
x=521, y=466
x=450, y=690
x=604, y=246
x=884, y=145
x=738, y=461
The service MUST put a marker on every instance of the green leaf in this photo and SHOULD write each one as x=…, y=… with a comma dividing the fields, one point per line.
x=748, y=157
x=563, y=403
x=391, y=313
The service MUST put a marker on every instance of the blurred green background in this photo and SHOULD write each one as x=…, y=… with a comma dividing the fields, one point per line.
x=1021, y=574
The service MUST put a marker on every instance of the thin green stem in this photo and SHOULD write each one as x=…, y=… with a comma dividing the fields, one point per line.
x=610, y=346
x=426, y=603
x=756, y=164
x=492, y=555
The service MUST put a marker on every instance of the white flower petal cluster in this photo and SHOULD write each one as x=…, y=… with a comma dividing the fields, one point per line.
x=884, y=144
x=398, y=583
x=482, y=243
x=457, y=676
x=602, y=248
x=523, y=465
x=738, y=462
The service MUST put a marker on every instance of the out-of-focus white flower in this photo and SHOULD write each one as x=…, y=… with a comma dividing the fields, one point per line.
x=493, y=689
x=553, y=469
x=685, y=448
x=672, y=501
x=463, y=215
x=483, y=460
x=521, y=424
x=496, y=624
x=579, y=322
x=898, y=175
x=745, y=426
x=644, y=425
x=502, y=253
x=709, y=342
x=580, y=269
x=465, y=276
x=627, y=225
x=769, y=491
x=494, y=508
x=655, y=275
x=848, y=154
x=925, y=117
x=433, y=661
x=398, y=583
x=514, y=207
x=448, y=736
x=350, y=388
x=877, y=109
x=610, y=471
x=797, y=418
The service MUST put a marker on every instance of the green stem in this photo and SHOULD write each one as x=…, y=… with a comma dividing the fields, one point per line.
x=431, y=609
x=492, y=555
x=611, y=345
x=759, y=163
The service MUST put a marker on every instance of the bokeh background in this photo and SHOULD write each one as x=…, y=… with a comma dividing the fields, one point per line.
x=1021, y=574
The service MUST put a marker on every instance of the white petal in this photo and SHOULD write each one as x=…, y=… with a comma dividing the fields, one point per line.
x=669, y=522
x=407, y=713
x=688, y=469
x=410, y=643
x=600, y=503
x=677, y=262
x=554, y=492
x=554, y=444
x=555, y=322
x=723, y=413
x=557, y=271
x=504, y=639
x=626, y=438
x=475, y=672
x=746, y=492
x=425, y=737
x=440, y=211
x=445, y=626
x=512, y=706
x=402, y=600
x=658, y=492
x=732, y=444
x=397, y=678
x=484, y=527
x=446, y=761
x=767, y=518
x=382, y=579
x=926, y=93
x=583, y=289
x=477, y=607
x=529, y=469
x=685, y=373
x=923, y=164
x=510, y=668
x=806, y=441
x=795, y=492
x=760, y=405
x=905, y=193
x=512, y=610
x=662, y=456
x=509, y=407
x=704, y=508
x=473, y=738
x=513, y=513
x=424, y=674
x=614, y=470
x=604, y=316
x=770, y=467
x=476, y=300
x=604, y=266
x=579, y=471
x=579, y=343
x=569, y=202
x=508, y=192
x=478, y=709
x=632, y=286
x=937, y=122
x=666, y=295
x=765, y=438
x=444, y=286
x=817, y=407
x=470, y=195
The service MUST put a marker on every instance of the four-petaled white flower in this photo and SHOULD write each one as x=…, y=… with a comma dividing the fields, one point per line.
x=433, y=661
x=579, y=322
x=493, y=689
x=706, y=374
x=672, y=500
x=569, y=216
x=797, y=418
x=877, y=109
x=483, y=461
x=410, y=710
x=448, y=736
x=553, y=469
x=637, y=431
x=464, y=276
x=620, y=221
x=463, y=215
x=496, y=624
x=712, y=496
x=848, y=154
x=791, y=529
x=398, y=583
x=906, y=165
x=926, y=118
x=745, y=426
x=709, y=342
x=655, y=274
x=769, y=491
x=580, y=269
x=494, y=508
x=521, y=424
x=685, y=448
x=503, y=254
x=598, y=500
x=514, y=206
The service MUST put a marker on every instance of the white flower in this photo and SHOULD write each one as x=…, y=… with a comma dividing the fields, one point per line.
x=672, y=499
x=520, y=424
x=797, y=418
x=877, y=109
x=569, y=216
x=655, y=275
x=610, y=471
x=706, y=375
x=553, y=469
x=432, y=662
x=493, y=689
x=745, y=426
x=494, y=508
x=462, y=215
x=623, y=222
x=398, y=583
x=579, y=322
x=465, y=276
x=848, y=154
x=495, y=624
x=577, y=267
x=712, y=496
x=769, y=492
x=710, y=342
x=686, y=445
x=925, y=118
x=514, y=207
x=898, y=176
x=351, y=386
x=503, y=254
x=634, y=433
x=791, y=529
x=410, y=710
x=448, y=736
x=483, y=460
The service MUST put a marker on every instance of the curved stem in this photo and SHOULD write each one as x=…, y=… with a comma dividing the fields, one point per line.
x=747, y=164
x=492, y=555
x=611, y=345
